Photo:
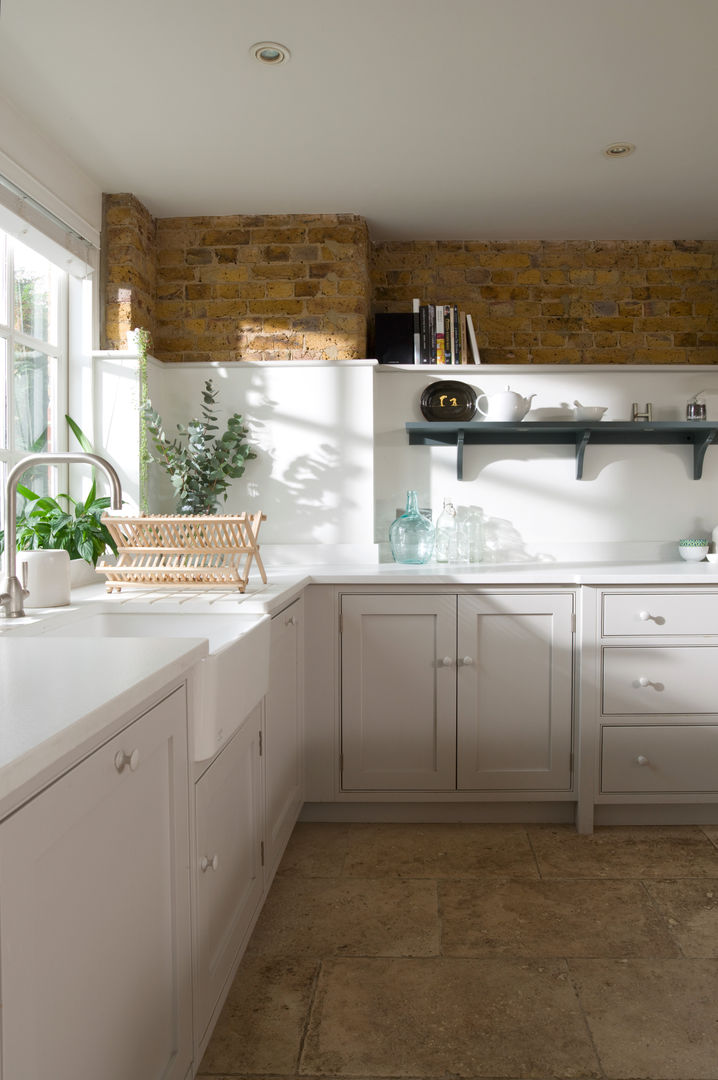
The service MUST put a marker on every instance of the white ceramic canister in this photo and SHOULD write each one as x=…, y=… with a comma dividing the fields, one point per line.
x=48, y=577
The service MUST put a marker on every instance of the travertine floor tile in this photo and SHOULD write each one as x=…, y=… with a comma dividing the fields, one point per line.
x=691, y=910
x=626, y=852
x=439, y=851
x=261, y=1025
x=348, y=916
x=551, y=918
x=433, y=1017
x=315, y=850
x=651, y=1018
x=711, y=832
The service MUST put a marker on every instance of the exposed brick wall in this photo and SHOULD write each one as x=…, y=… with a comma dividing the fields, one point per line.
x=302, y=286
x=128, y=269
x=262, y=288
x=546, y=302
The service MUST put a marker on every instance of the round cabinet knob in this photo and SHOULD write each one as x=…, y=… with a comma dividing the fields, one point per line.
x=643, y=681
x=446, y=661
x=208, y=862
x=291, y=621
x=123, y=760
x=467, y=661
x=641, y=760
x=644, y=616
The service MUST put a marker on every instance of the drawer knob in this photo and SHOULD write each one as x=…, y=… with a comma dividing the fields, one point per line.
x=446, y=661
x=644, y=616
x=208, y=862
x=124, y=760
x=641, y=760
x=291, y=621
x=467, y=661
x=643, y=681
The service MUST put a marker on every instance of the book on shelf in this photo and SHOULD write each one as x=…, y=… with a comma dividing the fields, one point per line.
x=471, y=334
x=440, y=357
x=429, y=334
x=416, y=309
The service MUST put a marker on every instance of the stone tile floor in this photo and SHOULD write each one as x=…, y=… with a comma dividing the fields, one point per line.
x=498, y=951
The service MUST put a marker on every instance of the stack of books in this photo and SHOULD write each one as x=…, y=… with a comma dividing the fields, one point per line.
x=443, y=335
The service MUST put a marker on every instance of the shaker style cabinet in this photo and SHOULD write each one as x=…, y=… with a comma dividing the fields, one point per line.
x=246, y=804
x=283, y=734
x=227, y=862
x=95, y=915
x=658, y=696
x=467, y=693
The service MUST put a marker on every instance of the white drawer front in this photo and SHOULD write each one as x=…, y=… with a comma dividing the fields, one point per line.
x=665, y=679
x=659, y=614
x=653, y=759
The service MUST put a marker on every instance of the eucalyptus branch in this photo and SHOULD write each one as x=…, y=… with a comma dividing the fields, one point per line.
x=200, y=464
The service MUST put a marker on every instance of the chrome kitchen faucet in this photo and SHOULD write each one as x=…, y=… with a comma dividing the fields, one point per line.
x=12, y=593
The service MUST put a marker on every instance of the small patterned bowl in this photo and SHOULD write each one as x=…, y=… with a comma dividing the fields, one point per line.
x=693, y=550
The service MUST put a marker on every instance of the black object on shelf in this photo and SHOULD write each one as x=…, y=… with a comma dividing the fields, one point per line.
x=394, y=338
x=448, y=400
x=698, y=434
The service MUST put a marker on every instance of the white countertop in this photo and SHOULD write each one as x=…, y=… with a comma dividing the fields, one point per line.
x=57, y=701
x=60, y=698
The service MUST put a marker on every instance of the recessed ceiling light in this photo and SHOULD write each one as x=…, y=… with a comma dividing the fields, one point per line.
x=269, y=52
x=619, y=149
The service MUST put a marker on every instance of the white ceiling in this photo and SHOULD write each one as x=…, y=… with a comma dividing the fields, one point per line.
x=455, y=119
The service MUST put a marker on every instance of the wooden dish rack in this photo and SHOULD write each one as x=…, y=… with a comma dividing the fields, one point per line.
x=183, y=552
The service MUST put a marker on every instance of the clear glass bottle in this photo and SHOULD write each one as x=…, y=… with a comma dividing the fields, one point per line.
x=446, y=534
x=411, y=536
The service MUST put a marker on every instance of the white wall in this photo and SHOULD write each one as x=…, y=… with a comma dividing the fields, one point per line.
x=310, y=424
x=334, y=461
x=630, y=496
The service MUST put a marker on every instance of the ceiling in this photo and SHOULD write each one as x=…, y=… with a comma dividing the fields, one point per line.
x=458, y=119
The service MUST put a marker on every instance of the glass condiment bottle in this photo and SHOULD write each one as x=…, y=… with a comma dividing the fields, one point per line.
x=411, y=536
x=446, y=534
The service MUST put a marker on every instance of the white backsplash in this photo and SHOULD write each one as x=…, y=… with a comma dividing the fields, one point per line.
x=335, y=462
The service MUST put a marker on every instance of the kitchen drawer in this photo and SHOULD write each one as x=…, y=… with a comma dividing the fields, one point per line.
x=672, y=757
x=641, y=680
x=660, y=614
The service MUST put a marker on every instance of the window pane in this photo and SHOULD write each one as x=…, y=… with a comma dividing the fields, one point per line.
x=34, y=392
x=36, y=295
x=3, y=279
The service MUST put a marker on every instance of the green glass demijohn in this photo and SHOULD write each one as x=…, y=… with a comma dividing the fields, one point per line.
x=411, y=536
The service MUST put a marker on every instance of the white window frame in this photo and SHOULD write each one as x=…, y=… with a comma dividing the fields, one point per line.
x=59, y=352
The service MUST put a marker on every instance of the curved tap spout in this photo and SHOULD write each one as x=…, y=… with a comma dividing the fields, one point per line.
x=12, y=593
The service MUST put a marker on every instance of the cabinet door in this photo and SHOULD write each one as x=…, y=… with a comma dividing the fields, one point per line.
x=94, y=911
x=398, y=693
x=228, y=866
x=514, y=692
x=284, y=734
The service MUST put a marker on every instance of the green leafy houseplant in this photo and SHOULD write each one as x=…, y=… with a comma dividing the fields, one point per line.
x=77, y=529
x=200, y=463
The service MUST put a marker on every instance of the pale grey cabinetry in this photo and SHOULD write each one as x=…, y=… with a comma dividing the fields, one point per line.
x=457, y=693
x=227, y=866
x=95, y=914
x=283, y=734
x=657, y=732
x=515, y=679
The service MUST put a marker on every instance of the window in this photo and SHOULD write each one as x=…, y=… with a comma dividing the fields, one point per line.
x=33, y=360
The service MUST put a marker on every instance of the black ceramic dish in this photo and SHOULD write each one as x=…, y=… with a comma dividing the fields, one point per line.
x=448, y=400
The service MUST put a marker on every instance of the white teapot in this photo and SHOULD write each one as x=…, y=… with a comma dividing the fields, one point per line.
x=507, y=405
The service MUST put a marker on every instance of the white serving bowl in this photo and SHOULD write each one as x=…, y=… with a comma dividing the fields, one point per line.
x=589, y=412
x=712, y=559
x=694, y=550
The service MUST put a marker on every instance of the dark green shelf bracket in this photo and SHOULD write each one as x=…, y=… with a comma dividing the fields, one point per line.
x=699, y=433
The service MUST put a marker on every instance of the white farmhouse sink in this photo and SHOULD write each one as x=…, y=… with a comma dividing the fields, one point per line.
x=231, y=681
